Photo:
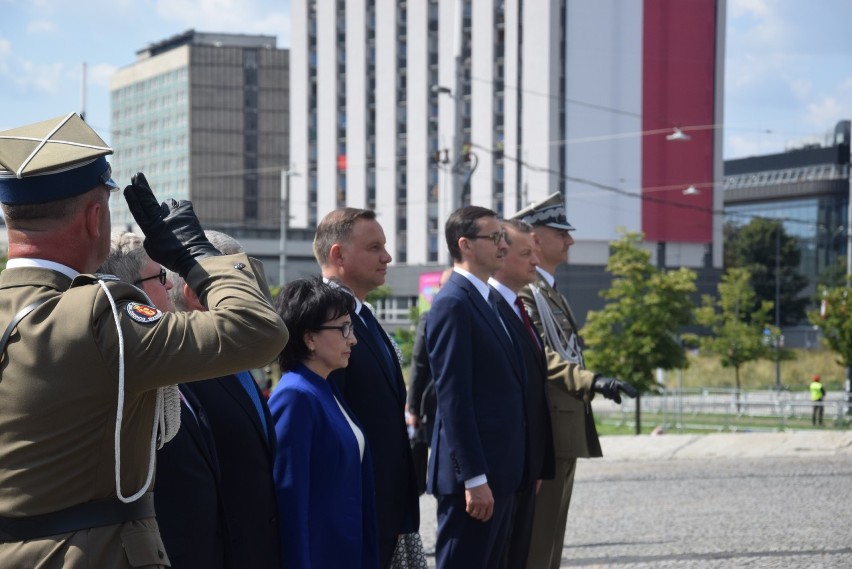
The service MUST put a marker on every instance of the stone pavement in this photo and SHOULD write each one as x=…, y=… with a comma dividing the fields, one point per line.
x=722, y=500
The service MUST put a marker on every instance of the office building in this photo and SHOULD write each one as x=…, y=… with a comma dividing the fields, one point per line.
x=807, y=189
x=205, y=117
x=415, y=108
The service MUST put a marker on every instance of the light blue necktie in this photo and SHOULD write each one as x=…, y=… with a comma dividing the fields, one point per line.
x=247, y=381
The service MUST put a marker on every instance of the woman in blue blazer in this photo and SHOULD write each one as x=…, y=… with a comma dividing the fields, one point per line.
x=322, y=469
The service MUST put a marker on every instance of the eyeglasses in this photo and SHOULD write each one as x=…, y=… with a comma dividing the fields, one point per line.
x=161, y=275
x=496, y=237
x=345, y=329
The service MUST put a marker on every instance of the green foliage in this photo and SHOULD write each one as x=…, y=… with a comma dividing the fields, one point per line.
x=755, y=247
x=636, y=331
x=383, y=291
x=836, y=323
x=737, y=320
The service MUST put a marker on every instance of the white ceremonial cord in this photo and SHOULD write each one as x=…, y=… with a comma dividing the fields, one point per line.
x=559, y=342
x=120, y=412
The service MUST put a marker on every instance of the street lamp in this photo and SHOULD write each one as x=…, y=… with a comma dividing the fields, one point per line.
x=285, y=222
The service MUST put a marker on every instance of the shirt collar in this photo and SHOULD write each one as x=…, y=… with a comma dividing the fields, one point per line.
x=19, y=262
x=478, y=284
x=550, y=279
x=504, y=291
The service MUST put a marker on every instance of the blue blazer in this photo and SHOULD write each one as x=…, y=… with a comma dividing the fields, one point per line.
x=480, y=385
x=324, y=489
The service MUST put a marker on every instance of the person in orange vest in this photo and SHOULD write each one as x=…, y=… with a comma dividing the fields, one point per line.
x=817, y=395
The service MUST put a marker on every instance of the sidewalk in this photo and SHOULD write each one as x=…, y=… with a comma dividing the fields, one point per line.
x=726, y=445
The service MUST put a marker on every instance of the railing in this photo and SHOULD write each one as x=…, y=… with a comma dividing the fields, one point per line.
x=725, y=410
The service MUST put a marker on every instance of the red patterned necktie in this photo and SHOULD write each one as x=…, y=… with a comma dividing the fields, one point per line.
x=527, y=323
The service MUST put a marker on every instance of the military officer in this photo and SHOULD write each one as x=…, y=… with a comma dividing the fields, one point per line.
x=84, y=356
x=570, y=385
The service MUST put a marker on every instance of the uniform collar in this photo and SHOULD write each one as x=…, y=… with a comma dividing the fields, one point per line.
x=19, y=262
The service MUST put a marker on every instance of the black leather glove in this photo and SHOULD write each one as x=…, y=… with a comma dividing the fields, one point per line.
x=173, y=235
x=609, y=387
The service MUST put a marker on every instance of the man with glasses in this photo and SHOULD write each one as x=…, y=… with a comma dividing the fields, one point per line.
x=187, y=497
x=478, y=447
x=349, y=246
x=85, y=356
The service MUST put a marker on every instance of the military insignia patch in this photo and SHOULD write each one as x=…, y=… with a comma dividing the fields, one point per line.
x=143, y=313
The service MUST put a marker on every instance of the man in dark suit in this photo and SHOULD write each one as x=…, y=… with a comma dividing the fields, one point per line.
x=242, y=431
x=478, y=448
x=186, y=497
x=519, y=270
x=349, y=246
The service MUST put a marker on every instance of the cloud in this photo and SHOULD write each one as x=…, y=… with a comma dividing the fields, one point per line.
x=100, y=74
x=40, y=27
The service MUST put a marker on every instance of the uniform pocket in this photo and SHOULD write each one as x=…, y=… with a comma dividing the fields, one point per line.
x=144, y=547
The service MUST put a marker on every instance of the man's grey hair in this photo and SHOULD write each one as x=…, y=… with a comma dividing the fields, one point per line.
x=226, y=245
x=518, y=225
x=126, y=256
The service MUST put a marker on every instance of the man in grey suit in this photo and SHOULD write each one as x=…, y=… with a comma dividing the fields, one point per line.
x=570, y=385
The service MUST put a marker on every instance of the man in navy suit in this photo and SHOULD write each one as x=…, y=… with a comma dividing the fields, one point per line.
x=478, y=447
x=244, y=438
x=519, y=270
x=349, y=246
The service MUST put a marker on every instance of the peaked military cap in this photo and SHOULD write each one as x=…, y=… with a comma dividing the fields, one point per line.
x=549, y=212
x=52, y=160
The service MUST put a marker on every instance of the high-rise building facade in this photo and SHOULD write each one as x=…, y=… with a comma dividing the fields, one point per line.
x=205, y=117
x=415, y=108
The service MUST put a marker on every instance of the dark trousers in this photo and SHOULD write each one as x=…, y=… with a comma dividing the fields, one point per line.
x=520, y=533
x=387, y=545
x=465, y=543
x=817, y=415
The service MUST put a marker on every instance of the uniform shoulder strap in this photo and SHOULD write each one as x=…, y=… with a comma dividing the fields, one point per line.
x=22, y=313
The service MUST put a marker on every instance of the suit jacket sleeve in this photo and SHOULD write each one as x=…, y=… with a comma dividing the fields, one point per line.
x=420, y=374
x=449, y=333
x=567, y=375
x=294, y=415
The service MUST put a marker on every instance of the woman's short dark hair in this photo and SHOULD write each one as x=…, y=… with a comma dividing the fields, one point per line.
x=305, y=305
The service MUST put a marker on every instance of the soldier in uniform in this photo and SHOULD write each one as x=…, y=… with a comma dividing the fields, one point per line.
x=570, y=385
x=84, y=357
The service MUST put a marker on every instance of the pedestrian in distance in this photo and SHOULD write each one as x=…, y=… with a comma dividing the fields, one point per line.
x=817, y=391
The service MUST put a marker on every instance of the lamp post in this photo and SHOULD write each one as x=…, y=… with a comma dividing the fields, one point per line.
x=778, y=308
x=285, y=222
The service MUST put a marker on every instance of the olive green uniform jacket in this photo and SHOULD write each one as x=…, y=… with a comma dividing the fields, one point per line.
x=569, y=385
x=59, y=390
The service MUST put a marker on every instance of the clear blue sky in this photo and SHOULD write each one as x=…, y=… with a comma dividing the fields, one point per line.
x=788, y=67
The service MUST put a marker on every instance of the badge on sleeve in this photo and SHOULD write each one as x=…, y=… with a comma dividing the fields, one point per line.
x=143, y=313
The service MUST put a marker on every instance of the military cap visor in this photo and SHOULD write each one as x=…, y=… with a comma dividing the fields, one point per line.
x=52, y=160
x=550, y=212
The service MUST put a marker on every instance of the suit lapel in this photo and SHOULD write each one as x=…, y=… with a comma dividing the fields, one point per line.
x=491, y=317
x=194, y=420
x=366, y=339
x=231, y=384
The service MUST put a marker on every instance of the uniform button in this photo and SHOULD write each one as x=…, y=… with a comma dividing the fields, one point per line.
x=160, y=553
x=240, y=266
x=273, y=520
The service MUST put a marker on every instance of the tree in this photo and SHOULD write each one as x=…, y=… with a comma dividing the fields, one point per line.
x=834, y=319
x=636, y=331
x=755, y=247
x=737, y=320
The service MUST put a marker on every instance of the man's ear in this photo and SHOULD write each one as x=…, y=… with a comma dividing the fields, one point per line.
x=94, y=212
x=335, y=255
x=192, y=302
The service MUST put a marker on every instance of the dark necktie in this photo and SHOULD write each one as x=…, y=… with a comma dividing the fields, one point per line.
x=378, y=337
x=247, y=381
x=492, y=301
x=527, y=323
